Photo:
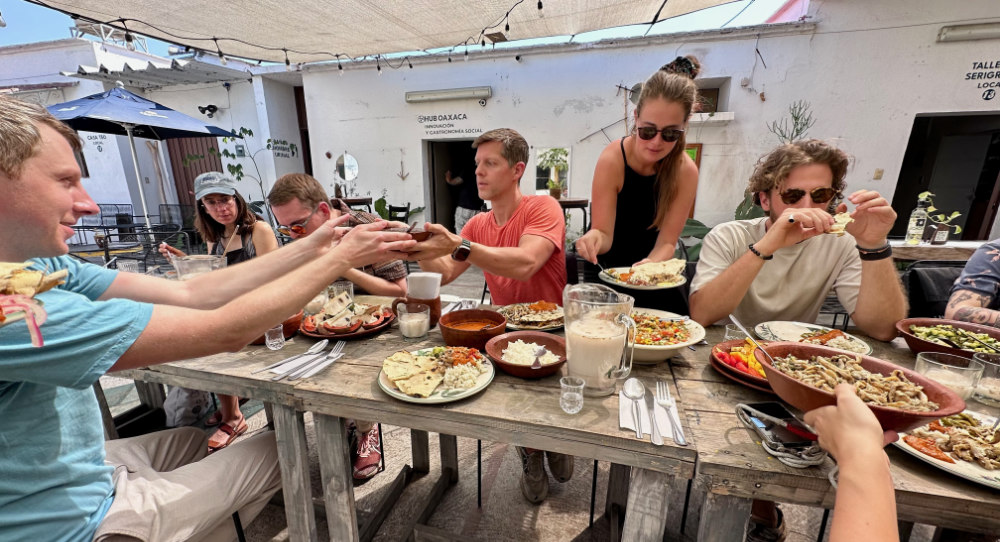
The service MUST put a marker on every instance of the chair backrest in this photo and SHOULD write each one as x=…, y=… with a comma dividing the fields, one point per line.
x=399, y=212
x=928, y=286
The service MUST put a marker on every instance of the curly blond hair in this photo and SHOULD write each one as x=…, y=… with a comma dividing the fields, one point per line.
x=773, y=168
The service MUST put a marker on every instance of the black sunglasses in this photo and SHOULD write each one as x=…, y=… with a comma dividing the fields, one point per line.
x=668, y=134
x=818, y=195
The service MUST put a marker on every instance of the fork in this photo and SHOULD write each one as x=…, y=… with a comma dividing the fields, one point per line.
x=294, y=374
x=664, y=399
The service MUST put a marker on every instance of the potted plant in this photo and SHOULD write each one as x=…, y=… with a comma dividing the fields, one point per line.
x=554, y=159
x=941, y=228
x=555, y=187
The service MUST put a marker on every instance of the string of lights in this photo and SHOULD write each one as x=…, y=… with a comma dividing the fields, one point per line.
x=121, y=23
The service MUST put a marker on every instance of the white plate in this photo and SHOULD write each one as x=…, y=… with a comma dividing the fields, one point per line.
x=516, y=327
x=611, y=280
x=647, y=353
x=792, y=331
x=439, y=395
x=964, y=469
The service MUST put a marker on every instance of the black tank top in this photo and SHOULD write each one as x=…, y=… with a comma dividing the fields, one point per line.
x=634, y=212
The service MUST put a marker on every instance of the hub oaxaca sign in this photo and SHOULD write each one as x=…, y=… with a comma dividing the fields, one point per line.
x=445, y=124
x=986, y=75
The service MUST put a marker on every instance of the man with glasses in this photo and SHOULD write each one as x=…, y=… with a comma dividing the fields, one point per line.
x=782, y=266
x=300, y=205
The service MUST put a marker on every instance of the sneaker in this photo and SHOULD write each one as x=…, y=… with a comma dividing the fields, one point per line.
x=534, y=480
x=759, y=530
x=560, y=465
x=367, y=456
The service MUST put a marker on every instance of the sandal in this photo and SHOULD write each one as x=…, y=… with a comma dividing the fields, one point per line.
x=214, y=419
x=231, y=434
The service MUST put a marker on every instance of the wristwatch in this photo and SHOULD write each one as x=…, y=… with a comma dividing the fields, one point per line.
x=462, y=251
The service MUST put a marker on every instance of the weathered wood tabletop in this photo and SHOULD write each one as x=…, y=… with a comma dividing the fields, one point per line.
x=734, y=468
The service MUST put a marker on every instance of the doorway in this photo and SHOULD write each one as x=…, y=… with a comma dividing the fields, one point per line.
x=458, y=157
x=957, y=158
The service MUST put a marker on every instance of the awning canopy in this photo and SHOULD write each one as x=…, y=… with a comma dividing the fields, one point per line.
x=318, y=30
x=156, y=74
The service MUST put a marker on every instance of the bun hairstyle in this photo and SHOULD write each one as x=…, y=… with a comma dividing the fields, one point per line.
x=674, y=82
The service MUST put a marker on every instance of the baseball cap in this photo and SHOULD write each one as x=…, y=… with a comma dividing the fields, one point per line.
x=213, y=182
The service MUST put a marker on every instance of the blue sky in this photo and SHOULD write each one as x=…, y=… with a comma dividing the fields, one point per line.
x=27, y=23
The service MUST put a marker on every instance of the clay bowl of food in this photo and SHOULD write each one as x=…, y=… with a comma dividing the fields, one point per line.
x=418, y=233
x=288, y=327
x=471, y=328
x=514, y=353
x=948, y=336
x=801, y=383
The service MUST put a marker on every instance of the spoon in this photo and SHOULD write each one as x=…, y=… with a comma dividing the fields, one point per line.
x=635, y=391
x=312, y=350
x=538, y=354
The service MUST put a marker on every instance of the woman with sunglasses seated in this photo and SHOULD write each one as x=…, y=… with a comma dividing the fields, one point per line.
x=644, y=184
x=230, y=228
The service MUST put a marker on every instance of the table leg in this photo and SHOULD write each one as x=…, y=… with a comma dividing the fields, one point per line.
x=723, y=518
x=449, y=456
x=648, y=499
x=290, y=433
x=420, y=450
x=335, y=473
x=151, y=394
x=617, y=488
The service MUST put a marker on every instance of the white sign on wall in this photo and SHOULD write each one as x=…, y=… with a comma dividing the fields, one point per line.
x=986, y=74
x=447, y=124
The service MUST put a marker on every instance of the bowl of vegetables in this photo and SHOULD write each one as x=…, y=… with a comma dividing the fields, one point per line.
x=948, y=336
x=659, y=334
x=736, y=361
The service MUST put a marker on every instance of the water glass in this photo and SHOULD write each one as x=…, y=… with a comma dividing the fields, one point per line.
x=334, y=289
x=414, y=320
x=988, y=390
x=571, y=394
x=129, y=266
x=956, y=372
x=274, y=338
x=734, y=333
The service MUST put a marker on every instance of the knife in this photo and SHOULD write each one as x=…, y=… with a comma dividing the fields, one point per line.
x=654, y=433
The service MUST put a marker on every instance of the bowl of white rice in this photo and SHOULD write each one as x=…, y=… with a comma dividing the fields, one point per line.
x=514, y=353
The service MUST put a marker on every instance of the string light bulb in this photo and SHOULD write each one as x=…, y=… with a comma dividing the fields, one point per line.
x=466, y=53
x=408, y=63
x=506, y=27
x=339, y=67
x=378, y=66
x=222, y=57
x=3, y=23
x=288, y=63
x=540, y=12
x=129, y=41
x=483, y=42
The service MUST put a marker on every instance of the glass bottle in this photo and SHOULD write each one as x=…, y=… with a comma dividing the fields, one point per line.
x=918, y=221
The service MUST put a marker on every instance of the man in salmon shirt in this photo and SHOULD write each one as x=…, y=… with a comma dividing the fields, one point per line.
x=519, y=246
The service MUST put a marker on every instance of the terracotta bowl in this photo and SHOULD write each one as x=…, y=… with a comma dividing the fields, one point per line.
x=554, y=344
x=918, y=345
x=288, y=327
x=418, y=234
x=470, y=338
x=805, y=397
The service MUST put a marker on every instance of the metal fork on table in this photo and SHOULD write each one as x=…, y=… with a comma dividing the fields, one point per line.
x=295, y=373
x=664, y=399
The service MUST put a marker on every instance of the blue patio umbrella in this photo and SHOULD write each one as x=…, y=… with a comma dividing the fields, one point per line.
x=121, y=112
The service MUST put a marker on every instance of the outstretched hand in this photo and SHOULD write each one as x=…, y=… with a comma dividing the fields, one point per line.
x=367, y=244
x=441, y=243
x=849, y=429
x=873, y=218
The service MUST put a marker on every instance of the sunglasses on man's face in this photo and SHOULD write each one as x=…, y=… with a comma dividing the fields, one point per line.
x=818, y=195
x=298, y=228
x=668, y=134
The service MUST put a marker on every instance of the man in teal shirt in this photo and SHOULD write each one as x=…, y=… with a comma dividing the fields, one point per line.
x=58, y=480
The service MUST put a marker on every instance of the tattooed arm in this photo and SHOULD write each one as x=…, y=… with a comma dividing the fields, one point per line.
x=970, y=306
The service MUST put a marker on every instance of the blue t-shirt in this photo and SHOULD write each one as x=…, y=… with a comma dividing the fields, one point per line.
x=54, y=483
x=982, y=274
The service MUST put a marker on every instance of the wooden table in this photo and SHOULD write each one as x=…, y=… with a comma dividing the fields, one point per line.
x=577, y=203
x=952, y=250
x=522, y=412
x=358, y=202
x=733, y=469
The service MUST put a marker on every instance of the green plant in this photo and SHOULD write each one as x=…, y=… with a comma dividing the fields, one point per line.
x=554, y=159
x=747, y=209
x=940, y=218
x=800, y=122
x=381, y=206
x=554, y=184
x=694, y=229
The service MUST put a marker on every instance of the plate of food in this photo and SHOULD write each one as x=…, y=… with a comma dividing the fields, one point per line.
x=441, y=374
x=540, y=315
x=736, y=361
x=811, y=334
x=344, y=319
x=659, y=334
x=647, y=276
x=965, y=445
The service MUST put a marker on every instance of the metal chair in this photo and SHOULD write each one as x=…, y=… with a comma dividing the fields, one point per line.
x=928, y=285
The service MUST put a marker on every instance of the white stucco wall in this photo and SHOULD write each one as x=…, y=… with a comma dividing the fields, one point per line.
x=867, y=69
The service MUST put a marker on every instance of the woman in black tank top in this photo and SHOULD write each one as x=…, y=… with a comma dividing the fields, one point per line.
x=644, y=184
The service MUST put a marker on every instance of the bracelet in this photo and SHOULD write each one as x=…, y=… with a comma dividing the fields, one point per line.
x=874, y=254
x=758, y=254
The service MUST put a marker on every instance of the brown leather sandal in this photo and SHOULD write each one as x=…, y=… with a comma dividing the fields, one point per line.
x=231, y=434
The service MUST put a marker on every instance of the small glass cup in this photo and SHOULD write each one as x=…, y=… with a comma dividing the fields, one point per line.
x=274, y=338
x=988, y=390
x=734, y=333
x=414, y=320
x=129, y=266
x=571, y=394
x=956, y=372
x=334, y=289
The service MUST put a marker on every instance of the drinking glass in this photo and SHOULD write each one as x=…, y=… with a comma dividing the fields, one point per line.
x=129, y=266
x=734, y=333
x=571, y=394
x=414, y=320
x=334, y=289
x=274, y=338
x=956, y=372
x=988, y=390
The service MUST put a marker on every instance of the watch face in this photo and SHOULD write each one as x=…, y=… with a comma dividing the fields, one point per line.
x=462, y=252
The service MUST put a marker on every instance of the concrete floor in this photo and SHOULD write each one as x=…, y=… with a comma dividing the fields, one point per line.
x=505, y=515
